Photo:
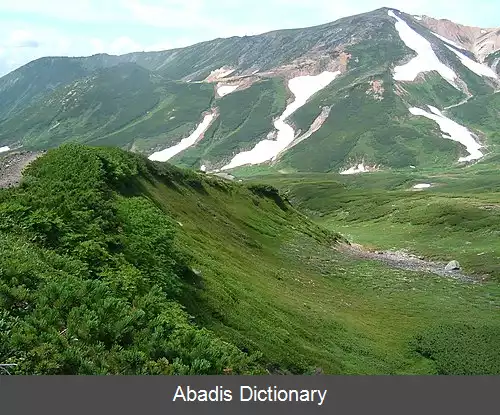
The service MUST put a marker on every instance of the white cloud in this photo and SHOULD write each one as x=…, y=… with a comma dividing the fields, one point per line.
x=124, y=45
x=20, y=39
x=81, y=10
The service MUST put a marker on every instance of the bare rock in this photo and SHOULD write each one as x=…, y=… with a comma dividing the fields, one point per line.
x=452, y=266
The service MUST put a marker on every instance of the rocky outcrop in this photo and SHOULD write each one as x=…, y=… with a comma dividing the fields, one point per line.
x=12, y=166
x=452, y=266
x=480, y=41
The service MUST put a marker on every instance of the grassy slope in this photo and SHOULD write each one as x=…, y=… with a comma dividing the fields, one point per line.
x=432, y=90
x=125, y=105
x=268, y=281
x=482, y=114
x=245, y=118
x=33, y=81
x=361, y=127
x=310, y=306
x=457, y=219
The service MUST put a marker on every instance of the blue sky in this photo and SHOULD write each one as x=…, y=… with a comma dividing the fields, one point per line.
x=30, y=29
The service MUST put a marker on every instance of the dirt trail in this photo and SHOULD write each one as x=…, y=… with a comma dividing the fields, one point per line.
x=12, y=166
x=403, y=260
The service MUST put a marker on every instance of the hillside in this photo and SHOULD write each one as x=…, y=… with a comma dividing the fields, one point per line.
x=102, y=266
x=381, y=90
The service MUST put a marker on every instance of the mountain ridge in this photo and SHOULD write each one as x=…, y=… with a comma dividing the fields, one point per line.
x=371, y=53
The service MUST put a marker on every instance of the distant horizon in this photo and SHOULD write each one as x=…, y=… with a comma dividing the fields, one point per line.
x=33, y=31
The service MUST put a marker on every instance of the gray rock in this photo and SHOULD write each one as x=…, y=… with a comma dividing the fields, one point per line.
x=452, y=266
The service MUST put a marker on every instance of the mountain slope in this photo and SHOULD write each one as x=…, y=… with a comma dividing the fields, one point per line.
x=111, y=101
x=481, y=42
x=228, y=103
x=101, y=283
x=24, y=86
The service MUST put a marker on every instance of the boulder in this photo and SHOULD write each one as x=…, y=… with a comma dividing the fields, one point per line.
x=452, y=266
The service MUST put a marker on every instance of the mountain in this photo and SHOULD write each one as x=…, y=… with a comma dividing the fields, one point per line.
x=376, y=91
x=130, y=266
x=257, y=248
x=481, y=42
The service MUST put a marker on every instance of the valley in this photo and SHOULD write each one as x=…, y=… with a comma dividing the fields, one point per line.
x=322, y=200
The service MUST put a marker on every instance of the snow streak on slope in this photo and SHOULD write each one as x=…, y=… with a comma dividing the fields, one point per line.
x=450, y=42
x=315, y=126
x=452, y=131
x=302, y=87
x=477, y=68
x=226, y=89
x=170, y=152
x=4, y=149
x=425, y=61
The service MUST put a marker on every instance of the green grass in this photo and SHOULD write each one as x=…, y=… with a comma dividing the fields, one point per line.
x=245, y=118
x=267, y=280
x=433, y=90
x=456, y=219
x=125, y=106
x=310, y=307
x=359, y=127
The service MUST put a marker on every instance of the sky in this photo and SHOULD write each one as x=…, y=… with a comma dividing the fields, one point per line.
x=30, y=29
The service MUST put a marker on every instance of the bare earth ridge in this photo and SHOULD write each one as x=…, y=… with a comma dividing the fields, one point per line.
x=12, y=166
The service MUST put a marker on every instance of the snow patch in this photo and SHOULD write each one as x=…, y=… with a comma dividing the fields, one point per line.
x=417, y=17
x=425, y=61
x=4, y=149
x=203, y=168
x=422, y=186
x=452, y=131
x=226, y=89
x=359, y=168
x=446, y=40
x=302, y=87
x=54, y=126
x=170, y=152
x=477, y=68
x=315, y=126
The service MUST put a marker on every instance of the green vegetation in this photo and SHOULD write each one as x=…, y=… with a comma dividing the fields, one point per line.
x=462, y=349
x=483, y=115
x=458, y=219
x=126, y=106
x=102, y=267
x=245, y=118
x=433, y=90
x=90, y=276
x=361, y=127
x=114, y=264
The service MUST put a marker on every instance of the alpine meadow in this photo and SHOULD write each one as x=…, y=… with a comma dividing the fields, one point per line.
x=322, y=200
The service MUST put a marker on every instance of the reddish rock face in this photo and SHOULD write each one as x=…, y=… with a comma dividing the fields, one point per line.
x=480, y=41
